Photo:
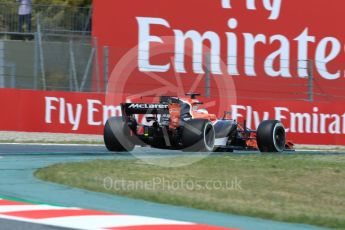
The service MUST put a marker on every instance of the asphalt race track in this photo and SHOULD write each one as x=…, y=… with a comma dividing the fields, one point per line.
x=19, y=161
x=15, y=225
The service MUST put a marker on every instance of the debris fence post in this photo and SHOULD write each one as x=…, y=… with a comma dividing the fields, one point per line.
x=41, y=56
x=95, y=45
x=106, y=67
x=310, y=67
x=87, y=69
x=208, y=75
x=73, y=66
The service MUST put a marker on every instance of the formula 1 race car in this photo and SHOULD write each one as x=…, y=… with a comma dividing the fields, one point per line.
x=179, y=124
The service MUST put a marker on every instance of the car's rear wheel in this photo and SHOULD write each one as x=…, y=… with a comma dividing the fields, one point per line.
x=271, y=136
x=117, y=135
x=198, y=136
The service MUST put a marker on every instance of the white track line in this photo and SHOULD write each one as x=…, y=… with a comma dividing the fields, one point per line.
x=99, y=222
x=321, y=150
x=19, y=208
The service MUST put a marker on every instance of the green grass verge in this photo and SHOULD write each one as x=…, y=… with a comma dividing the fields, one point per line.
x=293, y=188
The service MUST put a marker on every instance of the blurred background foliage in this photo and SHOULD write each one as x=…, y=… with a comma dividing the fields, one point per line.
x=79, y=3
x=55, y=15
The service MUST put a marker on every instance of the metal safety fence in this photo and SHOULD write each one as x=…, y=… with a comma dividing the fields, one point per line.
x=42, y=64
x=80, y=64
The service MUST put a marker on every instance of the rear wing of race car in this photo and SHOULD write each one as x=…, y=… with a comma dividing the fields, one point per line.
x=139, y=108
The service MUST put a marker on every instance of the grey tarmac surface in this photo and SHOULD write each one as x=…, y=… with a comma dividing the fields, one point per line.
x=19, y=161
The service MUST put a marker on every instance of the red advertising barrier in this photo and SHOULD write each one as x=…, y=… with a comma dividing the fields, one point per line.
x=86, y=113
x=306, y=123
x=56, y=112
x=268, y=48
x=281, y=53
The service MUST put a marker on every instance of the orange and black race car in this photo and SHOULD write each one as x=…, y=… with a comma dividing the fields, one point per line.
x=178, y=123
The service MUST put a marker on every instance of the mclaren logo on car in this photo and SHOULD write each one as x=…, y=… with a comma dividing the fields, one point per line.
x=148, y=106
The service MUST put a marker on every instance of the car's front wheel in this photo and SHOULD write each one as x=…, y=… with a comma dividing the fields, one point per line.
x=271, y=136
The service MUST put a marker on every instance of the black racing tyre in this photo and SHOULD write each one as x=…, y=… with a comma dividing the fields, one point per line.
x=117, y=135
x=271, y=136
x=198, y=135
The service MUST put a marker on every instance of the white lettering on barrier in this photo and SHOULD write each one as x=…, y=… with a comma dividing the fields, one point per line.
x=197, y=40
x=62, y=111
x=327, y=49
x=282, y=55
x=73, y=116
x=145, y=38
x=235, y=111
x=110, y=111
x=91, y=111
x=74, y=119
x=279, y=116
x=273, y=6
x=322, y=59
x=302, y=121
x=58, y=107
x=258, y=119
x=250, y=42
x=311, y=122
x=49, y=108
